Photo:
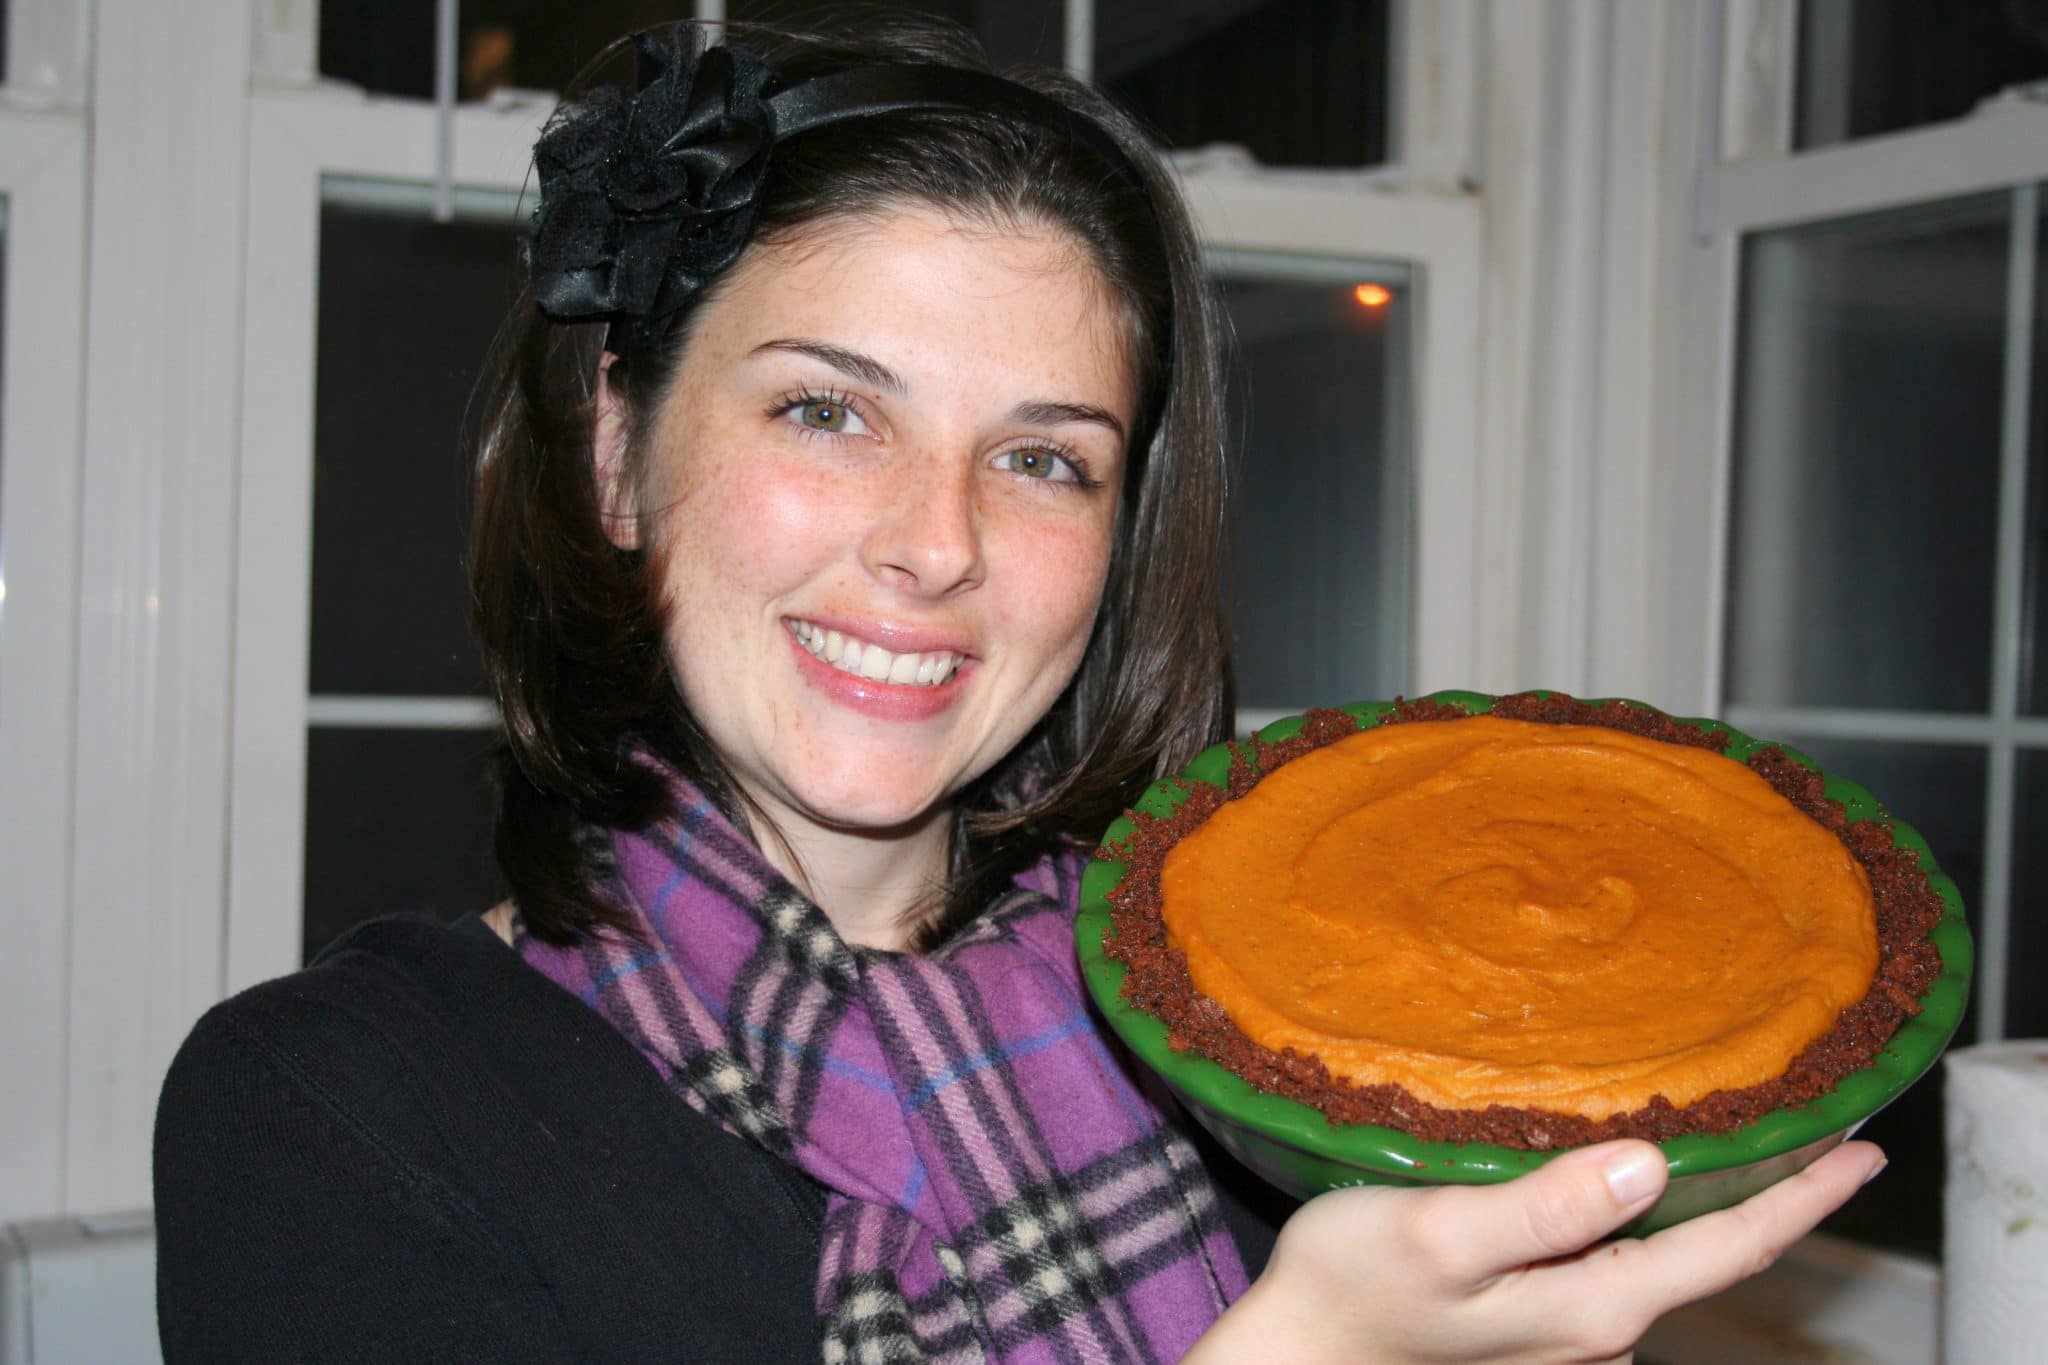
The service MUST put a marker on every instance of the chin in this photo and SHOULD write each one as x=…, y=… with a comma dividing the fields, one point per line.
x=857, y=803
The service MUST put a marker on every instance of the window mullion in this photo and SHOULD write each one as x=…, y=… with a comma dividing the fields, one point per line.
x=1079, y=39
x=1994, y=915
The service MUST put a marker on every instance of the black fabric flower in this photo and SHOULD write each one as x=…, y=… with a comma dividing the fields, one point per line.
x=644, y=200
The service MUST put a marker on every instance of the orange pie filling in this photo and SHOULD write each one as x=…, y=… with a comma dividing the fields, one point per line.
x=1502, y=912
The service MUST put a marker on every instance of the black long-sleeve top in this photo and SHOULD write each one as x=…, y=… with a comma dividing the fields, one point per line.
x=419, y=1149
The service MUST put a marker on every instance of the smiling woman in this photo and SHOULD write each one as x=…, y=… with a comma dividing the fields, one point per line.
x=964, y=339
x=845, y=556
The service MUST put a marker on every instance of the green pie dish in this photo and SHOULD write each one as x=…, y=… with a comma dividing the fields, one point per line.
x=1297, y=1149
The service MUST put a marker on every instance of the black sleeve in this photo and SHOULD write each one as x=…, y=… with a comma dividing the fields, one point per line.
x=1252, y=1209
x=293, y=1226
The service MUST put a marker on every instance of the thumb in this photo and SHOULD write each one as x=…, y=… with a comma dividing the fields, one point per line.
x=1561, y=1207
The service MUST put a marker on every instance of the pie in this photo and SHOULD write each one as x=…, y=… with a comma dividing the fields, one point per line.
x=1552, y=924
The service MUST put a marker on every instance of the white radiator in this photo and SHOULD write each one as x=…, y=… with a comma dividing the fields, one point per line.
x=79, y=1291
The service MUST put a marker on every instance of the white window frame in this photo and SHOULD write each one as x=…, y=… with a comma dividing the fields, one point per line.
x=302, y=133
x=42, y=180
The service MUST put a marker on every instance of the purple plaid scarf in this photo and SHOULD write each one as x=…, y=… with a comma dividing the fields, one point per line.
x=1000, y=1189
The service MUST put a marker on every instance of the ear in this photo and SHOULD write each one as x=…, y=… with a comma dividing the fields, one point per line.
x=615, y=501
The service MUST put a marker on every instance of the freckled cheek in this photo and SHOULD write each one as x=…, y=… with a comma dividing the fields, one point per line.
x=760, y=522
x=1054, y=584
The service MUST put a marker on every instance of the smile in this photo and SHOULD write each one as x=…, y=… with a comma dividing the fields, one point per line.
x=871, y=661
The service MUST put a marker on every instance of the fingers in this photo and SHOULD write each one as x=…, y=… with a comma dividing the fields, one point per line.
x=1716, y=1250
x=1476, y=1233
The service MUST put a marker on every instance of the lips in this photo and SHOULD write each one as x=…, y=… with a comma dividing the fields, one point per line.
x=880, y=698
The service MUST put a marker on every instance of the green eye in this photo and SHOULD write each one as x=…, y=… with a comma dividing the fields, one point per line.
x=1035, y=464
x=823, y=415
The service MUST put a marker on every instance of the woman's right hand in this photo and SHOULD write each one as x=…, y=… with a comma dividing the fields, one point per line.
x=1514, y=1271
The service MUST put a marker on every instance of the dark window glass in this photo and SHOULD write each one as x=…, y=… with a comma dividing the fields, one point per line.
x=1939, y=790
x=2026, y=1007
x=385, y=46
x=1876, y=66
x=1866, y=460
x=388, y=45
x=1319, y=586
x=408, y=308
x=1294, y=82
x=396, y=820
x=1012, y=31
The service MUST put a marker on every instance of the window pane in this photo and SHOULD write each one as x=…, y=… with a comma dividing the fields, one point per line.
x=1939, y=790
x=1866, y=460
x=1012, y=31
x=388, y=45
x=407, y=309
x=1320, y=542
x=396, y=820
x=1875, y=66
x=1295, y=82
x=2026, y=1010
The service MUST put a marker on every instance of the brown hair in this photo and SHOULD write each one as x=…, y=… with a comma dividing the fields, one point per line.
x=571, y=626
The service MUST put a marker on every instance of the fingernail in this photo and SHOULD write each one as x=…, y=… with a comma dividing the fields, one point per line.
x=1877, y=1170
x=1633, y=1178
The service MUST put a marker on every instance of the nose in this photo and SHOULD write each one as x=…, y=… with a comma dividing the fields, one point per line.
x=927, y=537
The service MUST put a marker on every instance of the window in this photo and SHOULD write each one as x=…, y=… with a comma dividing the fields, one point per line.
x=1294, y=82
x=1885, y=525
x=361, y=729
x=359, y=682
x=387, y=46
x=1868, y=67
x=1319, y=584
x=1876, y=579
x=398, y=738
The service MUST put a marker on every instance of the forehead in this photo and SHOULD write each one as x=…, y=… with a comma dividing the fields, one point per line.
x=932, y=294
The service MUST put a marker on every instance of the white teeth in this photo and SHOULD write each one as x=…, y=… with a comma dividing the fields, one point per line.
x=874, y=662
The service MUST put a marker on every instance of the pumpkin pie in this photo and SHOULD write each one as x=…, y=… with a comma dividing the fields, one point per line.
x=1552, y=924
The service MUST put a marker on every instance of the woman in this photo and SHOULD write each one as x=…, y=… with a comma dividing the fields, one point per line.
x=845, y=556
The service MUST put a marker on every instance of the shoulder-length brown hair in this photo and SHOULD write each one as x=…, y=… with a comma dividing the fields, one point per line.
x=571, y=625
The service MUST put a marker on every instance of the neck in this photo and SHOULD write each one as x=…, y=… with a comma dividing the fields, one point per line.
x=867, y=882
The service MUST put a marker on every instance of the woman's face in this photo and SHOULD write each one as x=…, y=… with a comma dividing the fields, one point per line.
x=885, y=484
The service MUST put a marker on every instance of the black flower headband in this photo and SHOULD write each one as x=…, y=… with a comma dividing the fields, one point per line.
x=643, y=200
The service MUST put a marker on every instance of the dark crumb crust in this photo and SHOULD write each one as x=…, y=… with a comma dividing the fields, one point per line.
x=1907, y=910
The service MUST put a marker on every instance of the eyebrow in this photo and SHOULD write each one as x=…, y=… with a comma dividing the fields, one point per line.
x=1044, y=412
x=852, y=364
